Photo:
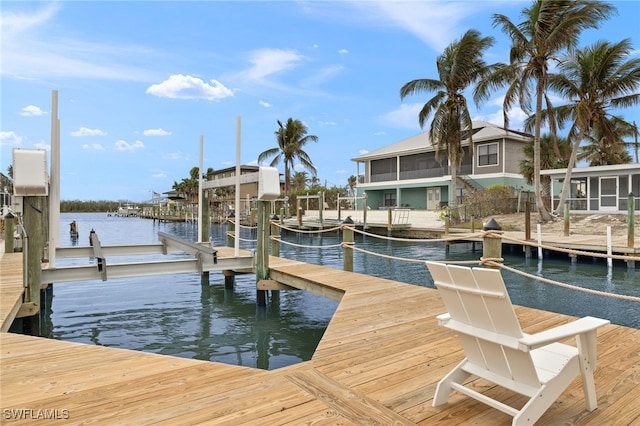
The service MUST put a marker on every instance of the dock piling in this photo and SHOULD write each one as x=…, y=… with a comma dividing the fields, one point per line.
x=347, y=241
x=492, y=245
x=8, y=232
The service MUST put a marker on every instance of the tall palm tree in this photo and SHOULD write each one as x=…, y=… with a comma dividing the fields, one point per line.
x=549, y=28
x=291, y=138
x=595, y=80
x=459, y=66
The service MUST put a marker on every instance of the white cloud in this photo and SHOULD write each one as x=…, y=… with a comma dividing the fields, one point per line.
x=42, y=145
x=327, y=123
x=343, y=51
x=265, y=104
x=322, y=75
x=179, y=86
x=15, y=23
x=363, y=151
x=159, y=175
x=172, y=156
x=85, y=131
x=28, y=54
x=95, y=146
x=404, y=116
x=32, y=110
x=433, y=22
x=266, y=62
x=156, y=132
x=122, y=145
x=10, y=138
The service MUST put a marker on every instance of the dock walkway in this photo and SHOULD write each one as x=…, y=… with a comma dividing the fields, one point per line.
x=377, y=363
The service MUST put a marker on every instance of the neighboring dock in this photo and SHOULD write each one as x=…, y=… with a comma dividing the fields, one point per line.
x=377, y=363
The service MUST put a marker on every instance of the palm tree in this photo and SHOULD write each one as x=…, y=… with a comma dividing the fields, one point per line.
x=352, y=182
x=595, y=80
x=459, y=66
x=601, y=150
x=548, y=159
x=291, y=139
x=299, y=181
x=188, y=187
x=549, y=28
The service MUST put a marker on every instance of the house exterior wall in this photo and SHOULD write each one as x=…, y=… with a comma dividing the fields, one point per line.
x=599, y=189
x=403, y=175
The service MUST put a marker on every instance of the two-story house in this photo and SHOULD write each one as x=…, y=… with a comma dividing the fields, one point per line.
x=407, y=174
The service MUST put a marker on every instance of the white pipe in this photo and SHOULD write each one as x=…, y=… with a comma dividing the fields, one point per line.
x=200, y=191
x=609, y=259
x=236, y=240
x=54, y=193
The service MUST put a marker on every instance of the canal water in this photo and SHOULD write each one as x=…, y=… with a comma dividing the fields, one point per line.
x=179, y=315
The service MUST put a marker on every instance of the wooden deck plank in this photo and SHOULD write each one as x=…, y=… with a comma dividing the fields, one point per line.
x=352, y=405
x=380, y=358
x=11, y=289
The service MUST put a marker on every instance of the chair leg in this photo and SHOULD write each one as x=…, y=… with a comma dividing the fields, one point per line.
x=547, y=395
x=443, y=390
x=586, y=349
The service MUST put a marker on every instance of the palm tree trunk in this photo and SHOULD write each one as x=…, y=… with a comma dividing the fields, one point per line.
x=454, y=178
x=542, y=210
x=566, y=185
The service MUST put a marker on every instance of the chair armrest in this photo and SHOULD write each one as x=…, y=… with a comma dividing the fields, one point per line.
x=574, y=328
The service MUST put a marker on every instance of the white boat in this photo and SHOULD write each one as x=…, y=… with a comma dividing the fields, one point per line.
x=128, y=210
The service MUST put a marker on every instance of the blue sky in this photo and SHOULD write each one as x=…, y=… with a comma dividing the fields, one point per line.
x=140, y=81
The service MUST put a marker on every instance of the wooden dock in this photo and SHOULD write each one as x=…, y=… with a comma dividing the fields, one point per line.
x=377, y=363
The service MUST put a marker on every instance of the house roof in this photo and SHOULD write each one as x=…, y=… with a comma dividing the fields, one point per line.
x=616, y=169
x=482, y=131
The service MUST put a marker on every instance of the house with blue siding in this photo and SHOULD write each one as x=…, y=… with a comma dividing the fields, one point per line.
x=407, y=173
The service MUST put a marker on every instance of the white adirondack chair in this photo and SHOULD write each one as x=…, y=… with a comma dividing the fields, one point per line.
x=497, y=350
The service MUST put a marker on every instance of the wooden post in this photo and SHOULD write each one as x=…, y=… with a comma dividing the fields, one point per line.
x=34, y=224
x=365, y=207
x=229, y=278
x=204, y=219
x=347, y=240
x=527, y=228
x=566, y=218
x=231, y=230
x=275, y=241
x=8, y=233
x=631, y=207
x=299, y=214
x=447, y=223
x=389, y=220
x=321, y=208
x=262, y=250
x=492, y=245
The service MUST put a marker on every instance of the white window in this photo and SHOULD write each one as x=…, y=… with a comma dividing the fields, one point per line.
x=488, y=154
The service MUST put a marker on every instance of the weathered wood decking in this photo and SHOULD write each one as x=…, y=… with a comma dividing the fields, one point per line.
x=377, y=363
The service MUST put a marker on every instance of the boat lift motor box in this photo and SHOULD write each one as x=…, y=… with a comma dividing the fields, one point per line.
x=268, y=184
x=30, y=176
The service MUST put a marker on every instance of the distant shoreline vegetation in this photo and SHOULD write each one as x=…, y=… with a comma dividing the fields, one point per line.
x=79, y=206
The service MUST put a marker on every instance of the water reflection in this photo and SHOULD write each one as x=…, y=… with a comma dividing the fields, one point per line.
x=183, y=315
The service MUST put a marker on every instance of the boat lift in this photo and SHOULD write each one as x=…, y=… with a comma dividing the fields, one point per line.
x=205, y=259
